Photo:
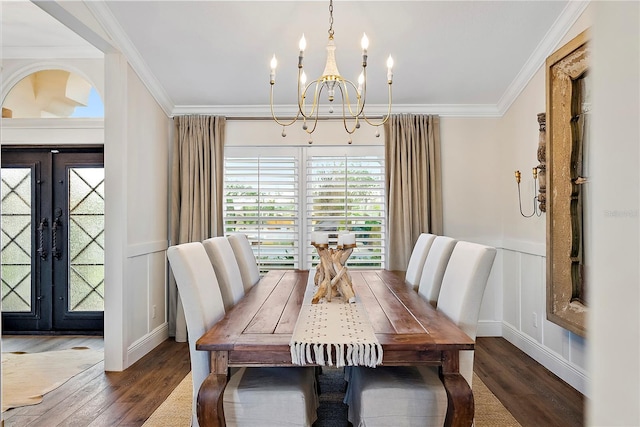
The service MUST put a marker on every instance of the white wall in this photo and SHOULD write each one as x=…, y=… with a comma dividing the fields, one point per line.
x=471, y=157
x=481, y=204
x=137, y=135
x=147, y=213
x=614, y=318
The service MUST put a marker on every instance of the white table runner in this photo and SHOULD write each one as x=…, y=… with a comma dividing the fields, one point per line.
x=337, y=326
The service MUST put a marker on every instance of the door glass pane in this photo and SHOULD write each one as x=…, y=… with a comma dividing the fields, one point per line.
x=16, y=239
x=86, y=239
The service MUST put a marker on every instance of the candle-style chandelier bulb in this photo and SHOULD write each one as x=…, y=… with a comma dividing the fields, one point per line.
x=302, y=44
x=364, y=43
x=274, y=64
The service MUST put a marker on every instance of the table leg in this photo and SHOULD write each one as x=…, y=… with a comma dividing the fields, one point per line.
x=210, y=409
x=460, y=407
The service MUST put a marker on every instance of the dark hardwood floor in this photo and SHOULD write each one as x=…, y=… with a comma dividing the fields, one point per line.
x=98, y=398
x=534, y=396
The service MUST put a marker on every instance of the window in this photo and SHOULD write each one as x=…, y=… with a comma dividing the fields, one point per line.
x=53, y=94
x=277, y=196
x=261, y=201
x=347, y=193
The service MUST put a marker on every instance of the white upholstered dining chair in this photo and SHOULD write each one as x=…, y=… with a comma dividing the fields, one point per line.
x=417, y=259
x=434, y=268
x=246, y=259
x=226, y=269
x=407, y=396
x=253, y=396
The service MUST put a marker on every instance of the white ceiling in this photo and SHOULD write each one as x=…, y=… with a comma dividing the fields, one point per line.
x=451, y=57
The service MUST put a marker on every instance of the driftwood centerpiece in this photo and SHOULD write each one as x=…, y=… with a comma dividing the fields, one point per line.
x=332, y=275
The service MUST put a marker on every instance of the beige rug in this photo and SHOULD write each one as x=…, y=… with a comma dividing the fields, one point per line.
x=489, y=410
x=176, y=410
x=26, y=377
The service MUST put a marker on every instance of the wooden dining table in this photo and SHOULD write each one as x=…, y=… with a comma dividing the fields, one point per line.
x=257, y=331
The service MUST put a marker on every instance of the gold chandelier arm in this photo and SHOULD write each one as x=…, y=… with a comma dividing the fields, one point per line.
x=315, y=110
x=346, y=100
x=314, y=106
x=356, y=125
x=386, y=117
x=315, y=123
x=273, y=114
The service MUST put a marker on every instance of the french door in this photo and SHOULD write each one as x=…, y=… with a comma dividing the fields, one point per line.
x=52, y=240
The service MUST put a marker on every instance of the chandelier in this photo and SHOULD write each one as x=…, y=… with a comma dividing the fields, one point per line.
x=331, y=82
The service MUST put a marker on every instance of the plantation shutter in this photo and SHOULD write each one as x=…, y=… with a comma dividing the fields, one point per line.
x=261, y=201
x=346, y=193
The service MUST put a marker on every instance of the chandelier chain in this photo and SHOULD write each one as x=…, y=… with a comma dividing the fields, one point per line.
x=331, y=19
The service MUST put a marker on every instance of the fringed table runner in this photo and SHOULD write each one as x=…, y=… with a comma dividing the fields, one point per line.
x=333, y=327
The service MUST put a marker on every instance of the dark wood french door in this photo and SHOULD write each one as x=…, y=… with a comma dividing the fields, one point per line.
x=52, y=238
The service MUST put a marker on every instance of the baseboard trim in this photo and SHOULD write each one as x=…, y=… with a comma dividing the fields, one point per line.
x=489, y=328
x=147, y=343
x=570, y=374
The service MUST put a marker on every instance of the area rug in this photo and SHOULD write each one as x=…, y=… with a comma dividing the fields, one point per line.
x=489, y=410
x=27, y=377
x=175, y=411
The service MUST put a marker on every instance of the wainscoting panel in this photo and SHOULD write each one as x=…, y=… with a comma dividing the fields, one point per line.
x=157, y=271
x=531, y=303
x=511, y=287
x=146, y=293
x=524, y=321
x=490, y=320
x=136, y=291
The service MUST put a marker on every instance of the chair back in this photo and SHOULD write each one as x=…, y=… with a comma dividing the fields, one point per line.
x=246, y=259
x=417, y=258
x=434, y=268
x=202, y=302
x=226, y=268
x=463, y=285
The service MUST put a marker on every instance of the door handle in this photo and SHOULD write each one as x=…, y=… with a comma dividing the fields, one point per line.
x=44, y=223
x=55, y=252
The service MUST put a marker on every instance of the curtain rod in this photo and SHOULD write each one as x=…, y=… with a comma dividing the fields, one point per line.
x=254, y=118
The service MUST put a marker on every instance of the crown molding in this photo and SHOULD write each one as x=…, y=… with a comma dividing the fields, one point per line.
x=261, y=111
x=104, y=16
x=547, y=45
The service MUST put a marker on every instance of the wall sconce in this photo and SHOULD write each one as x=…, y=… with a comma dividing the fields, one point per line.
x=535, y=192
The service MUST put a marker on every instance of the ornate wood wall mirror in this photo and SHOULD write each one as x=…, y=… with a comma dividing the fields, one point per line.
x=567, y=117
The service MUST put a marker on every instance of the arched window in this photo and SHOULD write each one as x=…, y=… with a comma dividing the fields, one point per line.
x=53, y=94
